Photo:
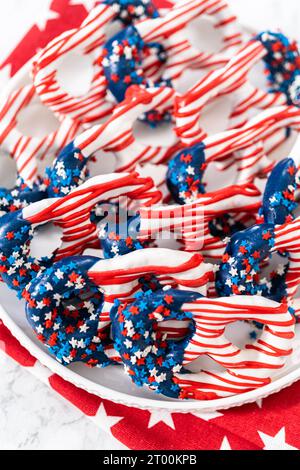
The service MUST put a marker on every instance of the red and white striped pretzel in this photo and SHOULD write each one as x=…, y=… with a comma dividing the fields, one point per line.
x=232, y=78
x=247, y=368
x=116, y=135
x=86, y=40
x=245, y=144
x=117, y=280
x=72, y=212
x=256, y=160
x=158, y=173
x=91, y=35
x=171, y=29
x=259, y=154
x=191, y=221
x=26, y=150
x=152, y=361
x=120, y=277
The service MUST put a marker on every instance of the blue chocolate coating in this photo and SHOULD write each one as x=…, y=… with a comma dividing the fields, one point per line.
x=68, y=171
x=63, y=308
x=184, y=180
x=240, y=268
x=153, y=367
x=123, y=240
x=121, y=69
x=20, y=196
x=185, y=173
x=17, y=267
x=279, y=196
x=122, y=64
x=282, y=63
x=238, y=273
x=224, y=226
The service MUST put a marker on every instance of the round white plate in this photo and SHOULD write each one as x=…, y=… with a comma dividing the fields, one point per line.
x=111, y=383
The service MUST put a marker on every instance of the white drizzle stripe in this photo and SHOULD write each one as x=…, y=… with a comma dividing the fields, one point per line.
x=246, y=368
x=73, y=211
x=84, y=40
x=26, y=150
x=191, y=221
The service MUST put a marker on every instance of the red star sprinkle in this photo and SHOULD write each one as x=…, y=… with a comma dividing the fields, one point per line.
x=70, y=329
x=291, y=170
x=128, y=241
x=235, y=290
x=267, y=236
x=53, y=339
x=73, y=277
x=31, y=303
x=127, y=79
x=225, y=258
x=134, y=310
x=10, y=235
x=186, y=158
x=114, y=77
x=168, y=299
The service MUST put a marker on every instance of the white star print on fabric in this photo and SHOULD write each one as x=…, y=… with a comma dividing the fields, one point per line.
x=225, y=444
x=44, y=14
x=104, y=421
x=276, y=442
x=207, y=416
x=20, y=17
x=161, y=416
x=259, y=402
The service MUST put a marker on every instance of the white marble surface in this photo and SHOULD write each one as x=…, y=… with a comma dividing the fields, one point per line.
x=32, y=416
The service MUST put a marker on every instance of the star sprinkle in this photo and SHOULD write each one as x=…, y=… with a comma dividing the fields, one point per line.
x=69, y=326
x=148, y=358
x=122, y=61
x=282, y=63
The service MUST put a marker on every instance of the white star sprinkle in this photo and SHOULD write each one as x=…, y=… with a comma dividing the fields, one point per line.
x=59, y=274
x=84, y=328
x=73, y=343
x=40, y=330
x=190, y=170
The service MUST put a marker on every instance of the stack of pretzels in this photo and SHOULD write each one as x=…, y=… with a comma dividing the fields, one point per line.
x=173, y=263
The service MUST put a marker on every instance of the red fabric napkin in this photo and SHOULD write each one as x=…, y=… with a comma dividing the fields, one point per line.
x=273, y=423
